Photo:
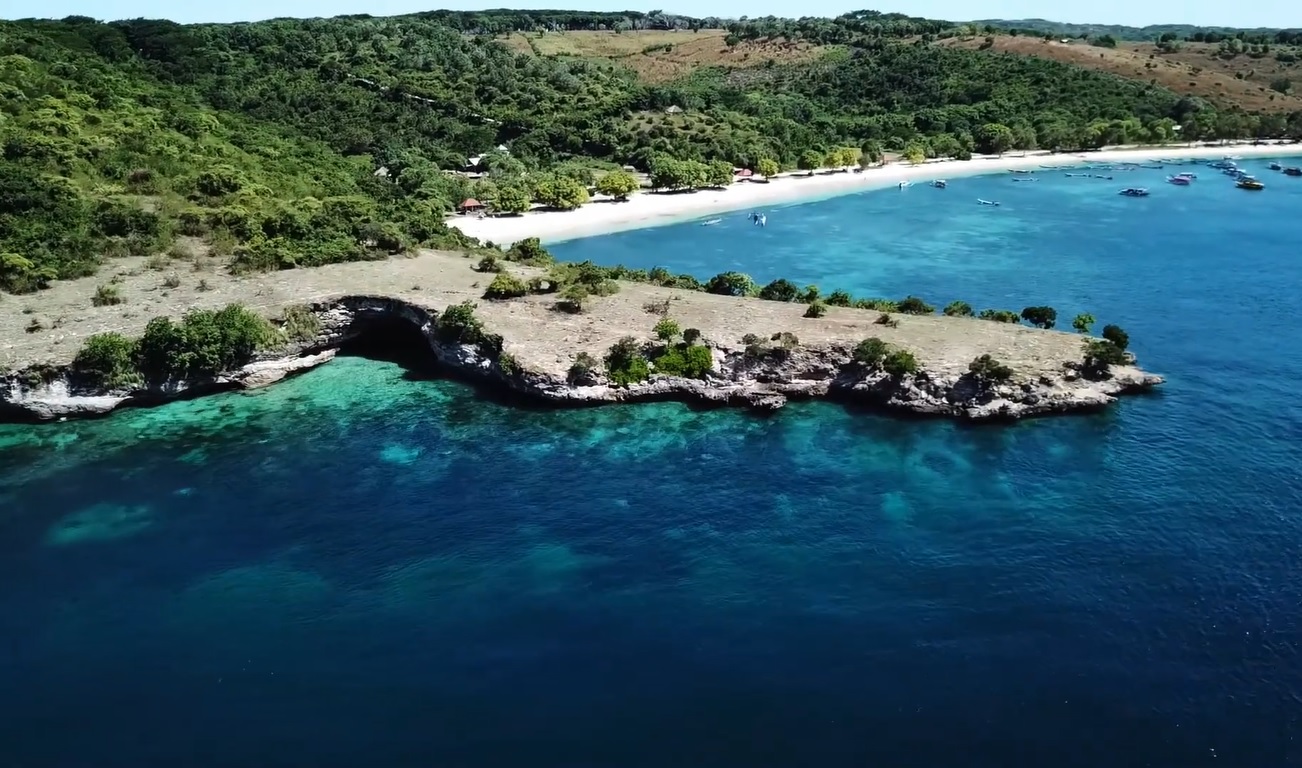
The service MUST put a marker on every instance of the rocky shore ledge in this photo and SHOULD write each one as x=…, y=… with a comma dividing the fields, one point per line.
x=1045, y=379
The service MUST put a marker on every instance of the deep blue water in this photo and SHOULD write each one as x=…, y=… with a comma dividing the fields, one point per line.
x=365, y=567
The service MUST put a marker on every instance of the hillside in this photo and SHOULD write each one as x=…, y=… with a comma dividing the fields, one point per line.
x=1151, y=32
x=1191, y=69
x=291, y=143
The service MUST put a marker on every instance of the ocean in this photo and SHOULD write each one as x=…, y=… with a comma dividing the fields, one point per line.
x=369, y=565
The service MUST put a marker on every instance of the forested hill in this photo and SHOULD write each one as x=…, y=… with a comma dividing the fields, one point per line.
x=298, y=142
x=1152, y=32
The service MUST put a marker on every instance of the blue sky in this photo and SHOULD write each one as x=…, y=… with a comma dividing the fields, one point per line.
x=1244, y=13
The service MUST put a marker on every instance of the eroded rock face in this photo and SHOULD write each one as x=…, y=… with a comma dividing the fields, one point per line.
x=763, y=380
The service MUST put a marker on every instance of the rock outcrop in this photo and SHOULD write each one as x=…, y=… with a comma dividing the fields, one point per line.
x=759, y=377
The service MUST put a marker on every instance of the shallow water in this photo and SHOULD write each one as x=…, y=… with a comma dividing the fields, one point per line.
x=363, y=566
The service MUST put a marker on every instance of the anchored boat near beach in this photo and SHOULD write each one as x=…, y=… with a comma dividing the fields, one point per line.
x=1135, y=192
x=1247, y=182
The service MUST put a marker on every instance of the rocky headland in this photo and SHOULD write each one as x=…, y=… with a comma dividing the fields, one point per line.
x=763, y=352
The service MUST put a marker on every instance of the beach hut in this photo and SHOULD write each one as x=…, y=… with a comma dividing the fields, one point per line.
x=470, y=205
x=743, y=173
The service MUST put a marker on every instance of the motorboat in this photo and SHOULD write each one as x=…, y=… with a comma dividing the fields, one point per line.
x=1135, y=192
x=1293, y=171
x=939, y=183
x=1179, y=181
x=1276, y=167
x=1188, y=175
x=1020, y=170
x=711, y=222
x=1026, y=178
x=904, y=184
x=987, y=202
x=1247, y=182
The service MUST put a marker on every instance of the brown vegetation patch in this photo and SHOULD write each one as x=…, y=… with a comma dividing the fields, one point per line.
x=645, y=52
x=1194, y=70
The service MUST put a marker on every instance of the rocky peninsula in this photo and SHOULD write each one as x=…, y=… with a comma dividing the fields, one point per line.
x=761, y=352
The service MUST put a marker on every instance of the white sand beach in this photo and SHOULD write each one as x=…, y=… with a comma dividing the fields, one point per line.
x=646, y=209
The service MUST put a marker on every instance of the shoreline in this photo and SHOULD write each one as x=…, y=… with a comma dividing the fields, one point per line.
x=644, y=209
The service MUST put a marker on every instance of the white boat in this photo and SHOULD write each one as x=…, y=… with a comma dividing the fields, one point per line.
x=711, y=221
x=939, y=183
x=987, y=202
x=1027, y=178
x=1179, y=181
x=904, y=184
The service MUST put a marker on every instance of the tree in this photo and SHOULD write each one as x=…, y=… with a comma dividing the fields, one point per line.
x=780, y=290
x=810, y=160
x=994, y=138
x=999, y=315
x=617, y=184
x=1104, y=41
x=572, y=298
x=512, y=199
x=530, y=251
x=915, y=154
x=691, y=336
x=816, y=309
x=731, y=284
x=1042, y=317
x=718, y=174
x=1114, y=334
x=767, y=167
x=912, y=305
x=871, y=351
x=506, y=286
x=1082, y=323
x=561, y=192
x=666, y=330
x=625, y=363
x=986, y=368
x=107, y=361
x=1281, y=85
x=958, y=309
x=900, y=362
x=840, y=298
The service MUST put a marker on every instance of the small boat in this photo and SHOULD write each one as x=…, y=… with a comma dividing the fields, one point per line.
x=939, y=183
x=987, y=202
x=1020, y=170
x=710, y=222
x=1135, y=192
x=1077, y=175
x=1293, y=171
x=1179, y=181
x=1276, y=167
x=1187, y=175
x=1247, y=182
x=1027, y=178
x=1222, y=165
x=1096, y=176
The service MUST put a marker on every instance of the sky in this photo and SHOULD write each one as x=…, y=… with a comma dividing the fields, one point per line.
x=1243, y=13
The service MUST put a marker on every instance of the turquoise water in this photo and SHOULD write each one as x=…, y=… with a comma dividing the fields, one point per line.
x=368, y=566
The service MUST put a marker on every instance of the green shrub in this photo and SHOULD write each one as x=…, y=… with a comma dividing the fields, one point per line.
x=625, y=364
x=1082, y=323
x=871, y=351
x=666, y=330
x=881, y=305
x=107, y=361
x=1041, y=317
x=816, y=309
x=508, y=365
x=489, y=263
x=107, y=295
x=687, y=361
x=204, y=343
x=458, y=324
x=1000, y=315
x=506, y=286
x=839, y=298
x=780, y=290
x=572, y=298
x=886, y=320
x=986, y=368
x=958, y=309
x=1114, y=334
x=1102, y=353
x=900, y=362
x=530, y=251
x=731, y=284
x=808, y=295
x=692, y=335
x=299, y=323
x=912, y=305
x=582, y=368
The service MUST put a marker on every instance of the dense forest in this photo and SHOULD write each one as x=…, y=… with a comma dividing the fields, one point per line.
x=299, y=142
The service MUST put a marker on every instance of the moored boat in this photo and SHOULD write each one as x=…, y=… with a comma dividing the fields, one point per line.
x=1247, y=182
x=1276, y=167
x=1135, y=192
x=1179, y=181
x=939, y=183
x=1293, y=171
x=1020, y=170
